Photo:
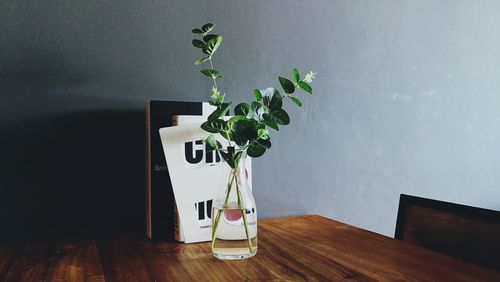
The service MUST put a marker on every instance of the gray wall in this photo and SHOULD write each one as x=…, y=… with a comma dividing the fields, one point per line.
x=406, y=101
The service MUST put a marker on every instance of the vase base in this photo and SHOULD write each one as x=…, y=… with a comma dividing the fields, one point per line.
x=234, y=257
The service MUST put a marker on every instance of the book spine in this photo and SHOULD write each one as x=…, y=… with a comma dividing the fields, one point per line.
x=149, y=227
x=175, y=120
x=177, y=226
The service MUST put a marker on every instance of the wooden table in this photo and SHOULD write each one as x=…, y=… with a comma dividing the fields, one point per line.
x=292, y=248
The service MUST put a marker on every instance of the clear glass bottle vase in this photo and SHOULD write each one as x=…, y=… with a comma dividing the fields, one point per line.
x=234, y=217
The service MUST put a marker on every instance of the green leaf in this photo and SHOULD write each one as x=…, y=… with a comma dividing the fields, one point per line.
x=211, y=73
x=207, y=27
x=258, y=124
x=257, y=108
x=212, y=45
x=214, y=126
x=257, y=94
x=227, y=134
x=207, y=38
x=272, y=98
x=267, y=94
x=255, y=149
x=282, y=116
x=287, y=85
x=296, y=101
x=265, y=142
x=263, y=133
x=212, y=143
x=198, y=43
x=278, y=116
x=201, y=61
x=306, y=87
x=271, y=124
x=197, y=31
x=296, y=76
x=243, y=129
x=276, y=101
x=231, y=121
x=228, y=157
x=219, y=112
x=243, y=109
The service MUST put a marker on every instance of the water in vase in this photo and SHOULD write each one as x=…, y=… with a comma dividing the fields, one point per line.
x=236, y=232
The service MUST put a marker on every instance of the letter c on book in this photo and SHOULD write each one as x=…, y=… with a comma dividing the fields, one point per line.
x=188, y=152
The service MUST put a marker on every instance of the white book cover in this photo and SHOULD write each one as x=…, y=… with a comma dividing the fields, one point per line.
x=182, y=120
x=197, y=176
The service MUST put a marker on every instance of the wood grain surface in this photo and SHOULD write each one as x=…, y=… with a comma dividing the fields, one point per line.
x=299, y=248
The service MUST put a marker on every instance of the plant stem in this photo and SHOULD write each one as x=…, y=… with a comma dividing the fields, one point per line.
x=212, y=67
x=217, y=218
x=244, y=214
x=228, y=141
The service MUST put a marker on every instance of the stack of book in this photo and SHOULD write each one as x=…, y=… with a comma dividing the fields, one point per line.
x=183, y=176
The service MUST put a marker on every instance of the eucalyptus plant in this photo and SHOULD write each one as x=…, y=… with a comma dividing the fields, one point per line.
x=248, y=128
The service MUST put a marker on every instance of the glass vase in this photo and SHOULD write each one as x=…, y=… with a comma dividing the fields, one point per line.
x=234, y=217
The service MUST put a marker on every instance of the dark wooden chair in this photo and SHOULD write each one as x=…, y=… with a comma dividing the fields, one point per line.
x=465, y=232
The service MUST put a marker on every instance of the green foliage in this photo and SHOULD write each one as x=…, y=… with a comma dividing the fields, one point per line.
x=257, y=95
x=305, y=86
x=220, y=111
x=212, y=143
x=211, y=73
x=231, y=156
x=212, y=45
x=257, y=109
x=206, y=38
x=296, y=101
x=271, y=98
x=207, y=27
x=287, y=85
x=248, y=128
x=255, y=149
x=198, y=43
x=296, y=76
x=271, y=124
x=214, y=126
x=243, y=109
x=201, y=60
x=277, y=116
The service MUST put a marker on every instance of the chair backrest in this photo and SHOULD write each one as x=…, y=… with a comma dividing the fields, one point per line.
x=465, y=232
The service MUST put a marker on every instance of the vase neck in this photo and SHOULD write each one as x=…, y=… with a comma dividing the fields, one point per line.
x=241, y=162
x=241, y=171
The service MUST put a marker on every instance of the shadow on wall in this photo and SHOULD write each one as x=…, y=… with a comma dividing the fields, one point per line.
x=75, y=174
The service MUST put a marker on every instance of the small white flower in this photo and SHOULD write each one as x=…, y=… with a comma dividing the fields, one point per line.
x=216, y=97
x=215, y=92
x=310, y=76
